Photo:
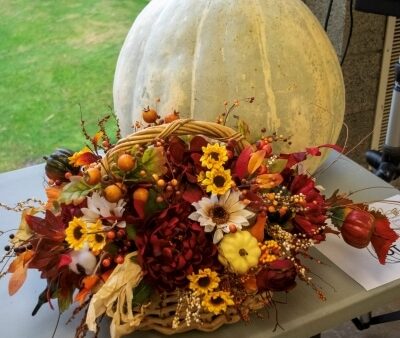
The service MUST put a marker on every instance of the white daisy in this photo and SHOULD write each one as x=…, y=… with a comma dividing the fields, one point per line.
x=99, y=207
x=221, y=214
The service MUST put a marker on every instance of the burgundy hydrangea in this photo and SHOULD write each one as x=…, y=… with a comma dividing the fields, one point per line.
x=280, y=275
x=171, y=246
x=313, y=217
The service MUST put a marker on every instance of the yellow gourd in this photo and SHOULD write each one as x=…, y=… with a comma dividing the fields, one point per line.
x=239, y=252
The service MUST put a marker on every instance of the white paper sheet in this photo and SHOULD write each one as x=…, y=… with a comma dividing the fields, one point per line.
x=362, y=264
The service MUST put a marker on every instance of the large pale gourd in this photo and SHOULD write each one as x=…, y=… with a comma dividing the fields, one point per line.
x=195, y=54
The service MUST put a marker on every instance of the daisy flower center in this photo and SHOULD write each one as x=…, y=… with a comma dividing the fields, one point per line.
x=219, y=215
x=78, y=234
x=219, y=181
x=204, y=281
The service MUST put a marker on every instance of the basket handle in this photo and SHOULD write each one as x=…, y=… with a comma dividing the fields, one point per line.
x=178, y=127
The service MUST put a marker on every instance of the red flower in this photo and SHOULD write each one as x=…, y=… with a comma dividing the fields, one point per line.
x=313, y=216
x=383, y=237
x=280, y=275
x=171, y=247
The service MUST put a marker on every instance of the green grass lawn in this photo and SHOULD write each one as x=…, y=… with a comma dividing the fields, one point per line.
x=55, y=56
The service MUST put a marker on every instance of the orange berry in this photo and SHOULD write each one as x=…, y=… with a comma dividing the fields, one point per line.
x=149, y=115
x=119, y=259
x=174, y=182
x=114, y=192
x=106, y=262
x=126, y=162
x=171, y=117
x=141, y=194
x=68, y=175
x=111, y=234
x=161, y=183
x=92, y=176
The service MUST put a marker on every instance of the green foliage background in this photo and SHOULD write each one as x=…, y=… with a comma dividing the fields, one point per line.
x=56, y=56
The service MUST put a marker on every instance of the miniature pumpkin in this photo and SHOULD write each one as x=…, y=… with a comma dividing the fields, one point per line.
x=57, y=164
x=239, y=251
x=194, y=54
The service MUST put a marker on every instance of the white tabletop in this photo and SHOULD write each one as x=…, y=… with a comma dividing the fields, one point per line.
x=303, y=315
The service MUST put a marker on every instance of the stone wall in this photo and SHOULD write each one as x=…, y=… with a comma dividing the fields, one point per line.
x=361, y=69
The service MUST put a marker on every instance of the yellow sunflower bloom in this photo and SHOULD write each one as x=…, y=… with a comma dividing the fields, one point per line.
x=218, y=181
x=217, y=302
x=204, y=282
x=96, y=236
x=76, y=233
x=214, y=156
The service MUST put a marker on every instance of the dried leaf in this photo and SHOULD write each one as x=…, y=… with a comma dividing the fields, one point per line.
x=97, y=137
x=153, y=160
x=256, y=160
x=17, y=279
x=76, y=190
x=243, y=128
x=86, y=159
x=269, y=181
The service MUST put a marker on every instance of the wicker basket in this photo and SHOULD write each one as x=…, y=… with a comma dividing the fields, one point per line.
x=159, y=314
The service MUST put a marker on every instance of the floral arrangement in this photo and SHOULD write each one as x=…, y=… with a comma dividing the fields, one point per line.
x=181, y=225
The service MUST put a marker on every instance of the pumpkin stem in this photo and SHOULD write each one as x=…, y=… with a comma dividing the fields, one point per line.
x=243, y=252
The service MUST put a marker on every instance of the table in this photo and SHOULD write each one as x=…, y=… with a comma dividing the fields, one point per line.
x=303, y=315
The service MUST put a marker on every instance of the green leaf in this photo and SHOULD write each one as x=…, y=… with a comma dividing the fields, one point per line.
x=141, y=294
x=64, y=299
x=153, y=161
x=111, y=248
x=337, y=217
x=277, y=166
x=131, y=231
x=152, y=206
x=76, y=190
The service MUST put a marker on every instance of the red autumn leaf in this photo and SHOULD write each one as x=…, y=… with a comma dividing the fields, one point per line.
x=50, y=227
x=383, y=237
x=313, y=151
x=294, y=158
x=139, y=206
x=176, y=150
x=192, y=193
x=64, y=260
x=242, y=162
x=86, y=159
x=197, y=143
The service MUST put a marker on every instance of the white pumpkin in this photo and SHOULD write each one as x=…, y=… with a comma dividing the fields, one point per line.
x=195, y=54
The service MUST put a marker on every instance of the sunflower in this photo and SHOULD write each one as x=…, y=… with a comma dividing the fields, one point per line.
x=214, y=156
x=218, y=181
x=221, y=214
x=96, y=236
x=217, y=302
x=76, y=233
x=204, y=282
